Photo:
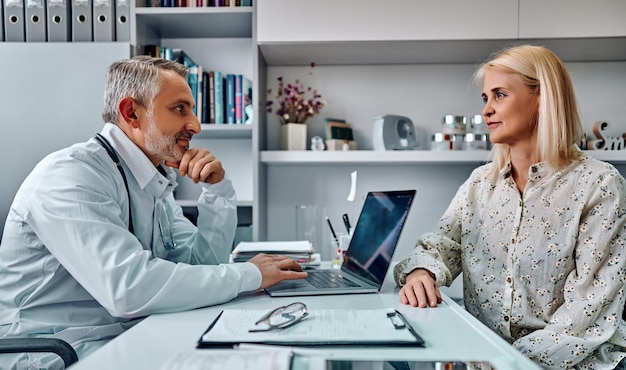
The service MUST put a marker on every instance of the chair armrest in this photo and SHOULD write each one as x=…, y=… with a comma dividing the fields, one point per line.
x=53, y=345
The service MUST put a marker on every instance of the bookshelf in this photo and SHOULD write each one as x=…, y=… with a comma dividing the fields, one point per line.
x=217, y=38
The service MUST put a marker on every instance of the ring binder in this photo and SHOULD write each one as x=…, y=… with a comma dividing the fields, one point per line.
x=58, y=20
x=82, y=20
x=1, y=21
x=14, y=29
x=35, y=20
x=122, y=20
x=103, y=26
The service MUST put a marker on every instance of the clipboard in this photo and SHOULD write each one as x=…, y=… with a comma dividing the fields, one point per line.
x=383, y=327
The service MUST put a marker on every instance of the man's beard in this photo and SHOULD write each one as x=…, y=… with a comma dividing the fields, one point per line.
x=163, y=146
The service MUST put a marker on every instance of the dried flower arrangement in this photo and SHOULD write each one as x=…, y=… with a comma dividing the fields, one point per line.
x=292, y=103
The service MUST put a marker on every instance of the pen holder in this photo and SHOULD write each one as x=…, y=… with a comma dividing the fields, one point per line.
x=340, y=246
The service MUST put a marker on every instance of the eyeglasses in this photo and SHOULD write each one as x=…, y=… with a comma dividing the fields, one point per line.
x=282, y=317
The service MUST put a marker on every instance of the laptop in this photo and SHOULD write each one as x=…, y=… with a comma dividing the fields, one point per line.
x=369, y=254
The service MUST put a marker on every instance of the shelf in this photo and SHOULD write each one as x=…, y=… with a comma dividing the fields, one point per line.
x=229, y=131
x=197, y=22
x=432, y=51
x=372, y=157
x=417, y=157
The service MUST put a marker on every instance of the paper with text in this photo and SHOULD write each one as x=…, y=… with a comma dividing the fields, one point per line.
x=230, y=359
x=320, y=326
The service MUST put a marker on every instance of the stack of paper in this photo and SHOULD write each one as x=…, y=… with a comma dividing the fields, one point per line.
x=301, y=251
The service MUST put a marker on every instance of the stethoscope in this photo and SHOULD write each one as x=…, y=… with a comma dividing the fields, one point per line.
x=107, y=146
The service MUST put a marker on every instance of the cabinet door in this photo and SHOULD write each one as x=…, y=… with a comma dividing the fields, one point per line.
x=376, y=20
x=572, y=18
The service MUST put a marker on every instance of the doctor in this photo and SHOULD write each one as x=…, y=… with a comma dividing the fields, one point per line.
x=90, y=247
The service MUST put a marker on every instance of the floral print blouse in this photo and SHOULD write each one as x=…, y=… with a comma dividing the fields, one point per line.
x=544, y=269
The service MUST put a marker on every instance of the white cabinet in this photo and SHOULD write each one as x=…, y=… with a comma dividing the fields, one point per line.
x=376, y=32
x=302, y=21
x=572, y=19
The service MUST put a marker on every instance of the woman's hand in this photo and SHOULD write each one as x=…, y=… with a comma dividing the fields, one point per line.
x=420, y=290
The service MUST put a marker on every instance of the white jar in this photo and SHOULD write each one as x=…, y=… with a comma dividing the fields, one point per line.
x=476, y=141
x=454, y=125
x=441, y=141
x=478, y=125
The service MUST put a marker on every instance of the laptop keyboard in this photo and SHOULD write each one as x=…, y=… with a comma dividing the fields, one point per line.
x=324, y=279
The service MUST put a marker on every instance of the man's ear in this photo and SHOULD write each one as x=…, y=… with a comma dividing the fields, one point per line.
x=128, y=108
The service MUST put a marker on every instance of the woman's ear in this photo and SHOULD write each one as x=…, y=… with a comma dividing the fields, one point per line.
x=128, y=110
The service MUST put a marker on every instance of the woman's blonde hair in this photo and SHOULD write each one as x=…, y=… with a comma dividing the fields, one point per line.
x=558, y=121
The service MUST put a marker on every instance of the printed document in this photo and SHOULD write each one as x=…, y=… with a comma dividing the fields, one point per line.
x=326, y=326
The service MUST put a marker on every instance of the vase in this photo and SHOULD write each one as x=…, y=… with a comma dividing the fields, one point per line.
x=293, y=136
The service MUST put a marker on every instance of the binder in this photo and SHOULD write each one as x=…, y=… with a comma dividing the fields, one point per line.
x=122, y=20
x=14, y=29
x=82, y=20
x=1, y=21
x=58, y=20
x=35, y=20
x=103, y=18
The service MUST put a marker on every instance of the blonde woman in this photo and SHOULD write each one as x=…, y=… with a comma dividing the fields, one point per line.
x=539, y=232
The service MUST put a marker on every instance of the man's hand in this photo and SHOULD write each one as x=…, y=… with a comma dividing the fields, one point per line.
x=199, y=165
x=275, y=269
x=420, y=289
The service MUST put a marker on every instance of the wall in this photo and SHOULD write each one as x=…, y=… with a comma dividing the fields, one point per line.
x=50, y=97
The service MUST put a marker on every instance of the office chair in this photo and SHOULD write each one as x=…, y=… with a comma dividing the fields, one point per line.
x=52, y=345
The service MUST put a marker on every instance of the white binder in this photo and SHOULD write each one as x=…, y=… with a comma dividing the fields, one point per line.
x=58, y=20
x=35, y=20
x=14, y=29
x=82, y=20
x=103, y=26
x=122, y=20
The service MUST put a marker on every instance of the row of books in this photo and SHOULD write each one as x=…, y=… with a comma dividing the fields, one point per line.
x=196, y=3
x=221, y=98
x=64, y=20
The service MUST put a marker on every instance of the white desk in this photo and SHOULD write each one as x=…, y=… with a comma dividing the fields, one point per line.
x=449, y=331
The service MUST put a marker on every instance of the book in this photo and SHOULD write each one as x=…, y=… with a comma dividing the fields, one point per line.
x=199, y=96
x=211, y=86
x=219, y=98
x=192, y=80
x=247, y=101
x=243, y=98
x=229, y=98
x=238, y=98
x=205, y=97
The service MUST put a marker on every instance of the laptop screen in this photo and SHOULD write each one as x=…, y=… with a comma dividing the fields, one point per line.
x=377, y=232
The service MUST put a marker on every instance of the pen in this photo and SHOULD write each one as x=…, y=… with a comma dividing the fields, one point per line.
x=332, y=230
x=346, y=221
